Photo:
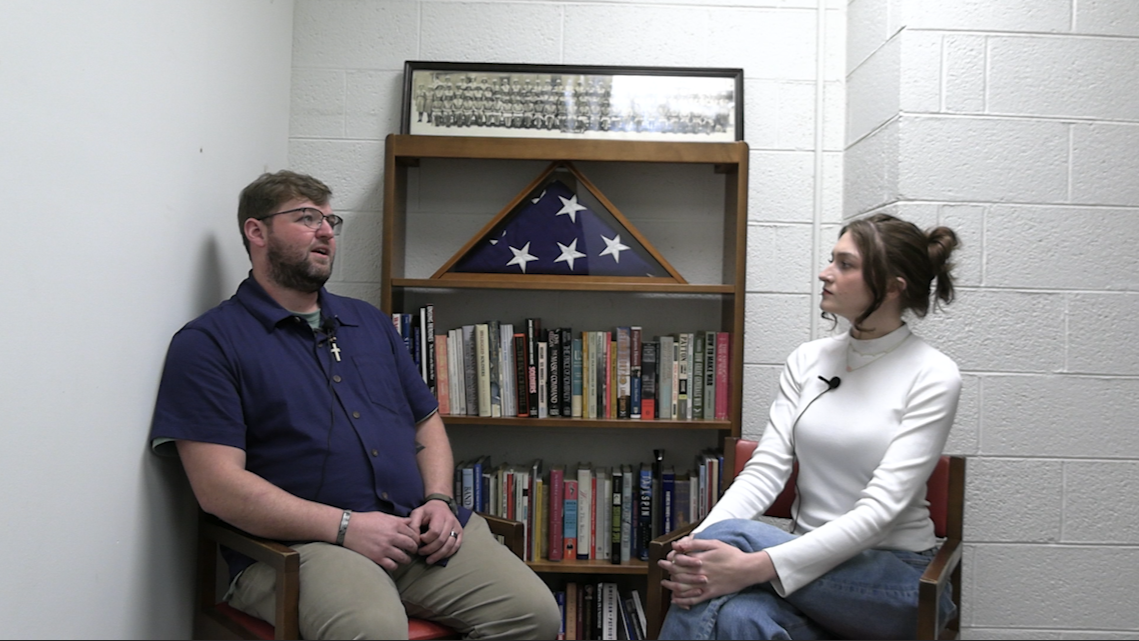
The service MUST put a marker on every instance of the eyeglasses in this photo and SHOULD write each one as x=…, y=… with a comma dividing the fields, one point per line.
x=312, y=218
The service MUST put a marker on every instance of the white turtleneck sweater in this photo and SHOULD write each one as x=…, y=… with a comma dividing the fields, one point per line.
x=865, y=451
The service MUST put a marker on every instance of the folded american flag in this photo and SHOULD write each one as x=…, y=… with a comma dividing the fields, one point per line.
x=554, y=234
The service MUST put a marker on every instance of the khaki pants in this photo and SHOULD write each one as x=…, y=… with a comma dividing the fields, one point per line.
x=484, y=592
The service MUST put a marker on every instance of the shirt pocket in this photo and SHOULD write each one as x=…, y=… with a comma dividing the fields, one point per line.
x=381, y=381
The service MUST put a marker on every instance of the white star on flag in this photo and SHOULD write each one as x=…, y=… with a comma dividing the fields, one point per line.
x=570, y=206
x=521, y=257
x=569, y=254
x=613, y=247
x=535, y=200
x=494, y=241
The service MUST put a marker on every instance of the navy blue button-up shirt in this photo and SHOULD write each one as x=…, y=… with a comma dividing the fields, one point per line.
x=252, y=375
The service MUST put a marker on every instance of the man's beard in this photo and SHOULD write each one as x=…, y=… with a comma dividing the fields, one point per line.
x=296, y=272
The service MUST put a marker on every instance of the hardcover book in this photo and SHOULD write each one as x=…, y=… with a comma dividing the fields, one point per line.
x=522, y=395
x=557, y=502
x=648, y=380
x=709, y=375
x=576, y=374
x=470, y=375
x=482, y=356
x=554, y=370
x=624, y=372
x=565, y=384
x=723, y=355
x=585, y=513
x=697, y=374
x=442, y=376
x=494, y=359
x=569, y=519
x=533, y=329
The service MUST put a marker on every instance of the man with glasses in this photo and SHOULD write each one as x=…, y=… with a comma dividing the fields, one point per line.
x=299, y=416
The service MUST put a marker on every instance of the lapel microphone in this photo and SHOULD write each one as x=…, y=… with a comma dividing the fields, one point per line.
x=832, y=383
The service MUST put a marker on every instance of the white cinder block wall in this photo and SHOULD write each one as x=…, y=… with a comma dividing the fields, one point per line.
x=1008, y=120
x=1016, y=123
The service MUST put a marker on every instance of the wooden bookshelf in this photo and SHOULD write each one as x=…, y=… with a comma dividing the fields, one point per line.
x=405, y=159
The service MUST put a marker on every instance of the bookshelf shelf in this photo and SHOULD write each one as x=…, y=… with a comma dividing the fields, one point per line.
x=589, y=567
x=587, y=422
x=539, y=283
x=420, y=219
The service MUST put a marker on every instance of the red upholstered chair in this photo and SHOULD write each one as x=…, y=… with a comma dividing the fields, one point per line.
x=945, y=492
x=215, y=619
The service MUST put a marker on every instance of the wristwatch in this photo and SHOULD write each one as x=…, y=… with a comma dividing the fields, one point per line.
x=450, y=501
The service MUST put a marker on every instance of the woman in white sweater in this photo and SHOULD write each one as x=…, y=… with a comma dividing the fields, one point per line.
x=866, y=415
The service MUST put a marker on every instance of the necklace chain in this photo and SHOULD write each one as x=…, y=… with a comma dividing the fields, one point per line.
x=876, y=357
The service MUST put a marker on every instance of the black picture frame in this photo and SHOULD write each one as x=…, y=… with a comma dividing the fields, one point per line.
x=682, y=104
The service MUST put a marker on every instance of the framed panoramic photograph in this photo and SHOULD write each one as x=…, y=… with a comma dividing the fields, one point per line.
x=562, y=101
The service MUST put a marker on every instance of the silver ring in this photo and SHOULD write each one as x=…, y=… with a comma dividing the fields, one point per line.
x=454, y=534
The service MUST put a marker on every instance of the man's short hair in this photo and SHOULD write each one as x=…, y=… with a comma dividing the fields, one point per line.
x=270, y=191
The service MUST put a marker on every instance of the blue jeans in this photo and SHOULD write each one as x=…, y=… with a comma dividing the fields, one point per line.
x=871, y=596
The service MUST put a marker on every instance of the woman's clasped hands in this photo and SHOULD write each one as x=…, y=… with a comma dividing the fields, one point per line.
x=702, y=569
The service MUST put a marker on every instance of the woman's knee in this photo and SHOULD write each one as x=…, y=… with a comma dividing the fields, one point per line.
x=745, y=534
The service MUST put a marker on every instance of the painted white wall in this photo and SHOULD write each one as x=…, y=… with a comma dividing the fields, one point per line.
x=1015, y=123
x=128, y=129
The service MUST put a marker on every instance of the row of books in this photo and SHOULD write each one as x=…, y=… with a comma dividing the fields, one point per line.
x=585, y=512
x=497, y=369
x=598, y=610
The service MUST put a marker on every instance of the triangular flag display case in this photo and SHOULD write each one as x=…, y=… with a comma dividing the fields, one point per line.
x=679, y=209
x=546, y=213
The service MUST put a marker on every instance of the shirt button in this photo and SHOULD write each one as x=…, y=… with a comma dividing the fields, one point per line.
x=384, y=495
x=376, y=453
x=336, y=378
x=355, y=414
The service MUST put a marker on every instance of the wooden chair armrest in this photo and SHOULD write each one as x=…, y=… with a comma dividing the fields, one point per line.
x=932, y=585
x=513, y=533
x=273, y=553
x=284, y=560
x=656, y=597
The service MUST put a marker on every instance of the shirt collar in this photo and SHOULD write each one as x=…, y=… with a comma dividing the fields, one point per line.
x=870, y=347
x=269, y=312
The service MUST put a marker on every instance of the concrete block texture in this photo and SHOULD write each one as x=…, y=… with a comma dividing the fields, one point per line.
x=780, y=115
x=1064, y=77
x=1071, y=588
x=316, y=106
x=968, y=222
x=355, y=34
x=1060, y=416
x=1104, y=164
x=981, y=159
x=774, y=327
x=1107, y=17
x=1101, y=502
x=761, y=383
x=1061, y=248
x=920, y=65
x=781, y=186
x=1000, y=331
x=867, y=27
x=870, y=167
x=779, y=259
x=353, y=170
x=768, y=43
x=373, y=104
x=965, y=437
x=492, y=32
x=1013, y=500
x=1102, y=329
x=873, y=94
x=964, y=72
x=1021, y=16
x=358, y=247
